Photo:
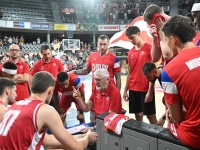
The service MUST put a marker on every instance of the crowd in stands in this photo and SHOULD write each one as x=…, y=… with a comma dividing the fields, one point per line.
x=184, y=6
x=70, y=60
x=109, y=11
x=6, y=41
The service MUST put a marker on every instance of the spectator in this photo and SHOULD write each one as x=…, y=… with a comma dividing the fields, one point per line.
x=38, y=40
x=10, y=41
x=21, y=40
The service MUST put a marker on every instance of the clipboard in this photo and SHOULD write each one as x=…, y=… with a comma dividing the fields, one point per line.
x=77, y=128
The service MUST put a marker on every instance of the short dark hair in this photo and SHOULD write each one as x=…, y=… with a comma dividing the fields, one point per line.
x=148, y=67
x=42, y=81
x=44, y=47
x=132, y=30
x=150, y=11
x=181, y=27
x=6, y=83
x=62, y=76
x=103, y=37
x=9, y=65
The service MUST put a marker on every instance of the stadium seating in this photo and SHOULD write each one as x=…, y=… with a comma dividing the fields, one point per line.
x=27, y=10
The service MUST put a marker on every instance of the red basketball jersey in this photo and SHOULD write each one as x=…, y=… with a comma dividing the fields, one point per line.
x=136, y=60
x=68, y=92
x=18, y=128
x=180, y=81
x=109, y=62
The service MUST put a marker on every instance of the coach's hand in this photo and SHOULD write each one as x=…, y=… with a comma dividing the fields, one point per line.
x=76, y=93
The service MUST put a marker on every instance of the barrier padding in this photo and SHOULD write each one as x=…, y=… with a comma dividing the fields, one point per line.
x=143, y=128
x=168, y=137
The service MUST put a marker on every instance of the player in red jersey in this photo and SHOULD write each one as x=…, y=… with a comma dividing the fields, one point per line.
x=181, y=86
x=23, y=74
x=105, y=97
x=47, y=63
x=155, y=17
x=33, y=113
x=141, y=93
x=7, y=94
x=64, y=83
x=105, y=60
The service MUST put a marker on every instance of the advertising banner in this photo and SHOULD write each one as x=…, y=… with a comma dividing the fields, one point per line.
x=122, y=52
x=59, y=26
x=9, y=24
x=122, y=27
x=2, y=23
x=17, y=24
x=108, y=28
x=86, y=27
x=70, y=27
x=68, y=10
x=41, y=26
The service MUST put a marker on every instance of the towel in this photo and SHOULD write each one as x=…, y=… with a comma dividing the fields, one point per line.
x=114, y=122
x=155, y=16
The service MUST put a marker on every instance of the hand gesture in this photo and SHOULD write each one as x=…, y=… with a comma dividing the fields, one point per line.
x=125, y=96
x=76, y=93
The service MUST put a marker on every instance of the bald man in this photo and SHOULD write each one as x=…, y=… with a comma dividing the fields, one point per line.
x=23, y=74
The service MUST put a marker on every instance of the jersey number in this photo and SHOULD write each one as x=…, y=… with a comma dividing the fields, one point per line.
x=8, y=120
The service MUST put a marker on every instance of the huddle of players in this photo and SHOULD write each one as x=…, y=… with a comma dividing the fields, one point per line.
x=171, y=40
x=33, y=135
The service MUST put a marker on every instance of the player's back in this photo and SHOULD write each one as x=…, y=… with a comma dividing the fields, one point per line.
x=18, y=129
x=187, y=80
x=182, y=73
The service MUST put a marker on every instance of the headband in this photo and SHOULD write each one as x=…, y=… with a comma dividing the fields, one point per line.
x=195, y=7
x=10, y=71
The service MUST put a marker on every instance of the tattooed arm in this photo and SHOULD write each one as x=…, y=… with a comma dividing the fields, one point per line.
x=84, y=71
x=118, y=79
